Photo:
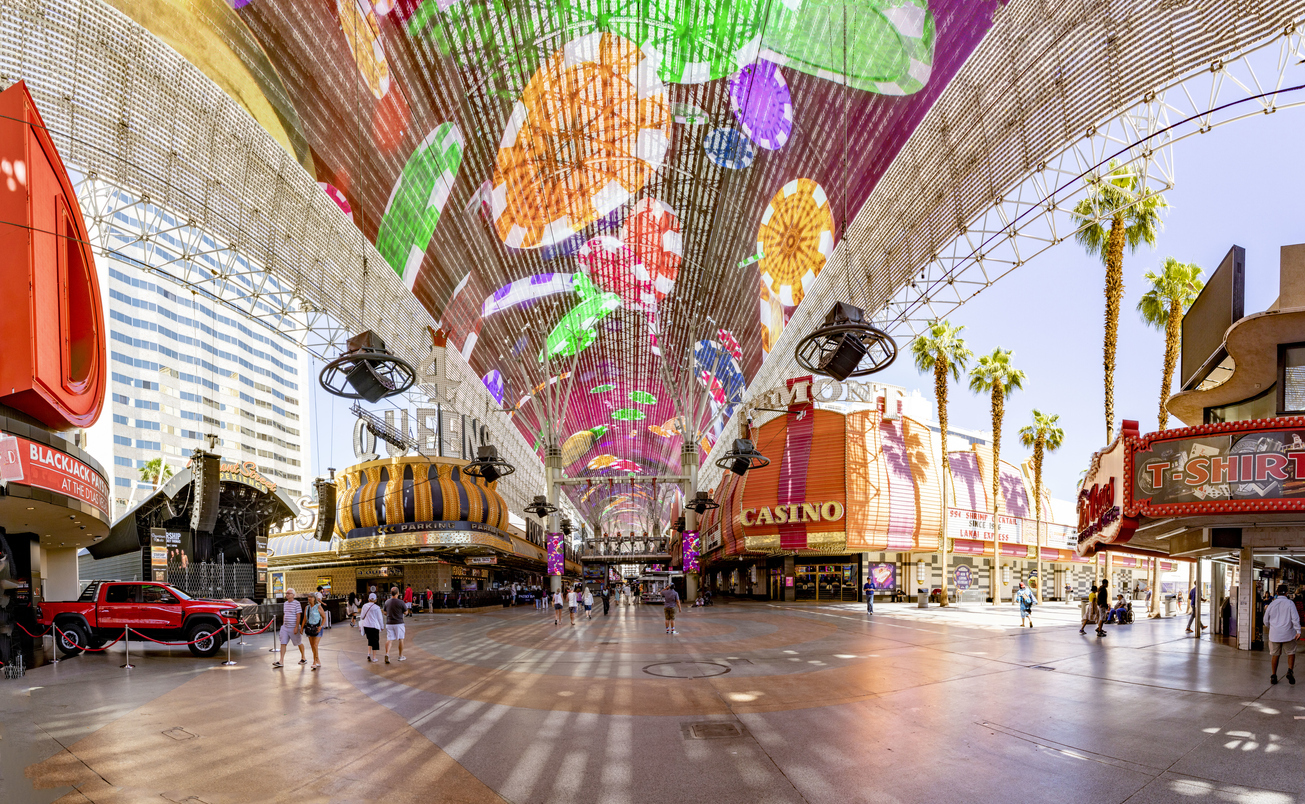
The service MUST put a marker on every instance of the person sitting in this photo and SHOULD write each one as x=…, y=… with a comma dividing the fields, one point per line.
x=1117, y=611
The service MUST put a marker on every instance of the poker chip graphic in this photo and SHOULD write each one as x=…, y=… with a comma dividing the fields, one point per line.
x=629, y=415
x=336, y=196
x=730, y=343
x=612, y=463
x=697, y=41
x=361, y=31
x=531, y=288
x=578, y=328
x=602, y=389
x=795, y=239
x=590, y=128
x=890, y=43
x=728, y=148
x=418, y=199
x=575, y=447
x=642, y=398
x=652, y=233
x=494, y=384
x=610, y=265
x=761, y=102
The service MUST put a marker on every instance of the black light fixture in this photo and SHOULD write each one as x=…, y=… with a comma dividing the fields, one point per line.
x=702, y=503
x=367, y=370
x=488, y=466
x=540, y=507
x=679, y=525
x=742, y=458
x=565, y=525
x=846, y=346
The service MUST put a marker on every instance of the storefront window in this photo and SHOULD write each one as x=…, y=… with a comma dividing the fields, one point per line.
x=1262, y=406
x=826, y=582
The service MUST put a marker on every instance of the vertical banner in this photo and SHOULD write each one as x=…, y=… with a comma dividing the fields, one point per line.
x=278, y=585
x=691, y=548
x=260, y=559
x=556, y=559
x=158, y=554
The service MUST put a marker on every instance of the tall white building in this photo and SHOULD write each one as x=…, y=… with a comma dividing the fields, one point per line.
x=182, y=366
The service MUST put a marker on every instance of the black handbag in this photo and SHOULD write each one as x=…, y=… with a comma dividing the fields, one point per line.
x=310, y=629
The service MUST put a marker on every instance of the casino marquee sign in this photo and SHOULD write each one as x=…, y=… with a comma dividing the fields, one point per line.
x=1244, y=467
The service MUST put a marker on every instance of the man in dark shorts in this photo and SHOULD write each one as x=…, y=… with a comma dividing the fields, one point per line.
x=671, y=600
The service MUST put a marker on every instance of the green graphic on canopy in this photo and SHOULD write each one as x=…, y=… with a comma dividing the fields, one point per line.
x=417, y=199
x=602, y=389
x=577, y=329
x=889, y=42
x=642, y=398
x=599, y=431
x=697, y=41
x=628, y=414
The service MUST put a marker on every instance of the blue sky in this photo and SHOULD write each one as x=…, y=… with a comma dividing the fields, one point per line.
x=1233, y=186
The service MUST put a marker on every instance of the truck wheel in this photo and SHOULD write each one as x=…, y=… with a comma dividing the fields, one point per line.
x=206, y=638
x=72, y=640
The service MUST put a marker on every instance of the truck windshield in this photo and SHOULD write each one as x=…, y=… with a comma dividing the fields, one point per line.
x=174, y=590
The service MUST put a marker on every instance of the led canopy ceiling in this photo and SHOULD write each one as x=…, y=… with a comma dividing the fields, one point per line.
x=612, y=208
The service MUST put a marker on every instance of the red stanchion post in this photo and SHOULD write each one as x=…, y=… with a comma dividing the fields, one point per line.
x=126, y=643
x=228, y=662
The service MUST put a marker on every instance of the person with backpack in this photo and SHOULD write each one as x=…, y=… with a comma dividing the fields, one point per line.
x=1024, y=597
x=314, y=622
x=371, y=622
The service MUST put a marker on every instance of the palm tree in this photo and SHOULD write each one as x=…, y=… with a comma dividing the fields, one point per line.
x=1132, y=213
x=155, y=471
x=942, y=351
x=1172, y=291
x=1043, y=436
x=994, y=375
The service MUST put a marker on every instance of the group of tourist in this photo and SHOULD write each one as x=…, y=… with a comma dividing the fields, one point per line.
x=299, y=621
x=579, y=597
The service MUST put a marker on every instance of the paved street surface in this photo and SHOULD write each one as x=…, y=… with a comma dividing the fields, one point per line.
x=750, y=702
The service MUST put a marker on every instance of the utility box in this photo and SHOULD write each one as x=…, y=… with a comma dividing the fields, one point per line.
x=922, y=600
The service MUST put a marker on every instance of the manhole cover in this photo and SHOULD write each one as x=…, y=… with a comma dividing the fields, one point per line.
x=714, y=731
x=179, y=733
x=686, y=669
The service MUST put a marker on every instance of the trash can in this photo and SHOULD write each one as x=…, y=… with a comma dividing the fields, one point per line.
x=1169, y=607
x=1082, y=609
x=922, y=600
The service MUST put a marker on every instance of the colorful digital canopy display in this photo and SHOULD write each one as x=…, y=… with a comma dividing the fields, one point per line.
x=483, y=144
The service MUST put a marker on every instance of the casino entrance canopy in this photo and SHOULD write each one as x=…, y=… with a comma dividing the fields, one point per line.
x=622, y=215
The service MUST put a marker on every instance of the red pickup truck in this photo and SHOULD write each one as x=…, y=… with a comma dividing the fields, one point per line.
x=155, y=610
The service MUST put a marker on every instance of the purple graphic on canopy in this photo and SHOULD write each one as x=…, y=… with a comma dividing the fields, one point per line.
x=556, y=559
x=691, y=548
x=494, y=384
x=762, y=104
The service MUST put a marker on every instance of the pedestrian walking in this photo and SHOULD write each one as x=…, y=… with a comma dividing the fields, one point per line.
x=1090, y=610
x=292, y=627
x=869, y=590
x=395, y=611
x=1103, y=605
x=1282, y=626
x=1193, y=609
x=351, y=609
x=371, y=622
x=557, y=607
x=314, y=622
x=671, y=602
x=589, y=603
x=571, y=603
x=607, y=595
x=407, y=601
x=1024, y=597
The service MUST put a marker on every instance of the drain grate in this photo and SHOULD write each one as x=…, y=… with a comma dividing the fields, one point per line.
x=1041, y=667
x=179, y=733
x=686, y=669
x=739, y=661
x=713, y=731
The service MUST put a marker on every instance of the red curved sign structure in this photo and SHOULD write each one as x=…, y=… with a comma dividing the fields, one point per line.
x=52, y=303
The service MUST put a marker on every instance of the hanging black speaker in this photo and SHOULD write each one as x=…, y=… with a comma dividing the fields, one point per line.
x=325, y=510
x=205, y=470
